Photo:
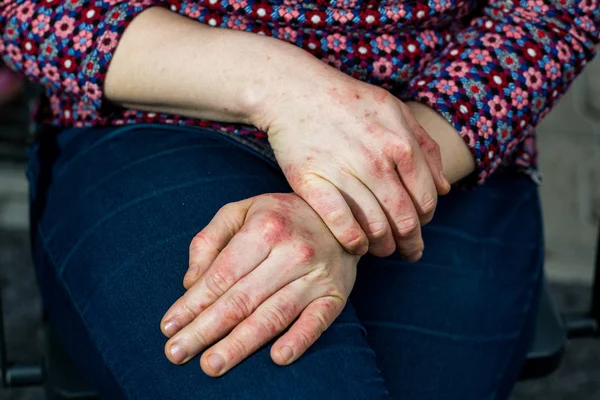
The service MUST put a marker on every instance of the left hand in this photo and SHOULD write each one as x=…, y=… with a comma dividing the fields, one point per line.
x=256, y=267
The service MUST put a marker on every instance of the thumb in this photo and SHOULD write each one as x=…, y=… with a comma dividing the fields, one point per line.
x=209, y=242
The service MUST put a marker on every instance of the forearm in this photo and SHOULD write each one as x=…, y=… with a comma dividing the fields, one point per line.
x=457, y=159
x=168, y=63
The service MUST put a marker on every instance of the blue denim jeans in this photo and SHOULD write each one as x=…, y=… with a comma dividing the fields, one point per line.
x=113, y=211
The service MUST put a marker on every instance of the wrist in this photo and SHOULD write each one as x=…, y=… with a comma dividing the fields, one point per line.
x=457, y=158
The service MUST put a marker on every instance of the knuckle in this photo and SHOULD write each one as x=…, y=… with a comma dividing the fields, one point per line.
x=336, y=216
x=198, y=241
x=237, y=347
x=428, y=204
x=407, y=224
x=353, y=240
x=274, y=320
x=306, y=337
x=319, y=322
x=188, y=312
x=378, y=230
x=305, y=253
x=226, y=209
x=198, y=338
x=274, y=228
x=218, y=282
x=240, y=305
x=320, y=275
x=431, y=147
x=403, y=153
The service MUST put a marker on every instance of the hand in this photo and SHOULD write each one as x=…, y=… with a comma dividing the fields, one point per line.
x=357, y=155
x=256, y=267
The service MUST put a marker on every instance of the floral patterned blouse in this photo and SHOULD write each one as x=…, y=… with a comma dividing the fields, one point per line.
x=492, y=68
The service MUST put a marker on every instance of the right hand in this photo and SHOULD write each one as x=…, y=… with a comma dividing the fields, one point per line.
x=356, y=155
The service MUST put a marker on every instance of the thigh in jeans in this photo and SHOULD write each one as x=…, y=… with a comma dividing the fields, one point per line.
x=457, y=324
x=113, y=212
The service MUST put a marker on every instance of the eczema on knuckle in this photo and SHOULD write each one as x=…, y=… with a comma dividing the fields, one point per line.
x=240, y=305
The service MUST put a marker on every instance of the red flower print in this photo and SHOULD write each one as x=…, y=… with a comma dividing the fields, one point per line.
x=312, y=45
x=498, y=81
x=262, y=11
x=29, y=46
x=213, y=4
x=420, y=11
x=362, y=49
x=316, y=17
x=411, y=48
x=175, y=5
x=91, y=14
x=532, y=52
x=369, y=17
x=214, y=19
x=68, y=63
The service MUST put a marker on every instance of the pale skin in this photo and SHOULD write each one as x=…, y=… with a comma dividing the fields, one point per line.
x=366, y=169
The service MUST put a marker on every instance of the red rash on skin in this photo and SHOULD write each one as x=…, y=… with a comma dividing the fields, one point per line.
x=380, y=96
x=305, y=253
x=373, y=162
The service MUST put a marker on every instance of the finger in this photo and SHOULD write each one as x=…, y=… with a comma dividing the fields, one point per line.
x=415, y=176
x=231, y=309
x=270, y=319
x=399, y=210
x=314, y=320
x=430, y=149
x=325, y=198
x=242, y=254
x=208, y=243
x=369, y=214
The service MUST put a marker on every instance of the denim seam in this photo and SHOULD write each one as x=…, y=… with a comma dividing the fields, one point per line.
x=535, y=278
x=412, y=328
x=65, y=287
x=131, y=203
x=105, y=178
x=130, y=262
x=238, y=141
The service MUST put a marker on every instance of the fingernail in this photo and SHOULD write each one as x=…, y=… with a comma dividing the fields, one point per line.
x=170, y=328
x=216, y=362
x=178, y=354
x=286, y=353
x=191, y=272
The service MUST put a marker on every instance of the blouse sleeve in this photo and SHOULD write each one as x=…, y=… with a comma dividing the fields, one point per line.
x=505, y=71
x=66, y=45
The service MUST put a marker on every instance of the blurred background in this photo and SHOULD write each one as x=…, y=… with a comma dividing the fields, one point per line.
x=569, y=146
